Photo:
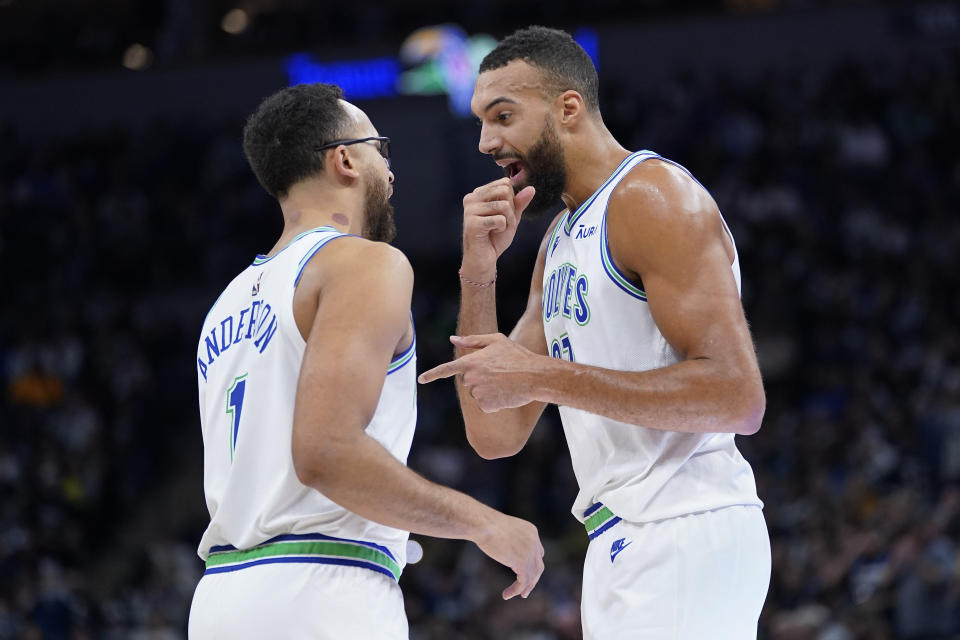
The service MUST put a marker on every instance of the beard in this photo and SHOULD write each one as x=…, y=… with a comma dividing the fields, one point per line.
x=378, y=222
x=546, y=172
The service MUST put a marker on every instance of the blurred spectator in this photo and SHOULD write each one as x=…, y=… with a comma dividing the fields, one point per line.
x=841, y=189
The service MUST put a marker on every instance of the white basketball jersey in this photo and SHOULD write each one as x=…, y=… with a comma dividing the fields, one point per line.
x=248, y=365
x=594, y=315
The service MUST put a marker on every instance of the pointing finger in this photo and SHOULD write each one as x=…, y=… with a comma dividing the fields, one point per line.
x=444, y=370
x=474, y=342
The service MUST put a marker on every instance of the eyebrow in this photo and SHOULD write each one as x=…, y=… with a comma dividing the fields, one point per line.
x=497, y=101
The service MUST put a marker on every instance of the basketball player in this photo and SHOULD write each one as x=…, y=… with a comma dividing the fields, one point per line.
x=634, y=328
x=308, y=402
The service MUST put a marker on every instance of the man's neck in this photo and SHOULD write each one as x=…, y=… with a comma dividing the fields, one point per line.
x=311, y=205
x=589, y=163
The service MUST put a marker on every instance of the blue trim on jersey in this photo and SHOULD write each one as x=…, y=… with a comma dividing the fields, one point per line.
x=404, y=358
x=551, y=244
x=592, y=509
x=345, y=562
x=260, y=259
x=684, y=169
x=313, y=250
x=291, y=537
x=606, y=259
x=606, y=525
x=582, y=209
x=613, y=272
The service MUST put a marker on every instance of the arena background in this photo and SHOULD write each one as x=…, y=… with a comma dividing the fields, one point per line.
x=826, y=130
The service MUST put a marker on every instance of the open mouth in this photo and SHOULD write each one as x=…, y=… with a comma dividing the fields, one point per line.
x=516, y=171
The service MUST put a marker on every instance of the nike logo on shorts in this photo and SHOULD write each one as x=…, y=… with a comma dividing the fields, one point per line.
x=617, y=547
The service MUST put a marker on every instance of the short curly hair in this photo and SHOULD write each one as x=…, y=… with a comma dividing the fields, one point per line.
x=564, y=63
x=280, y=138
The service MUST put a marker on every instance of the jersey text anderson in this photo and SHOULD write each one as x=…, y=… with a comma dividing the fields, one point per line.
x=256, y=323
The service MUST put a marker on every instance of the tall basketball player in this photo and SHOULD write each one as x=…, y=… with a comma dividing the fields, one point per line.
x=634, y=328
x=308, y=402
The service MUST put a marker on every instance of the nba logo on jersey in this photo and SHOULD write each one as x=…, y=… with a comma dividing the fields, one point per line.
x=255, y=289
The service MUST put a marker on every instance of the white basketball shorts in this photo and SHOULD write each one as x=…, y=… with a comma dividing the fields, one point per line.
x=298, y=601
x=698, y=576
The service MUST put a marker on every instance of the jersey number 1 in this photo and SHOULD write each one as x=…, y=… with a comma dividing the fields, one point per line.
x=235, y=408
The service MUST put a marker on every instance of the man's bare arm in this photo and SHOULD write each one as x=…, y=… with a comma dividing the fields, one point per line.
x=665, y=230
x=504, y=433
x=490, y=219
x=363, y=294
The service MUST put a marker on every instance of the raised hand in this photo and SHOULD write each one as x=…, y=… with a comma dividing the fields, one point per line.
x=490, y=216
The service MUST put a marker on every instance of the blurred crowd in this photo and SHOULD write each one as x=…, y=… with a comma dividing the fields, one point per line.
x=841, y=188
x=38, y=36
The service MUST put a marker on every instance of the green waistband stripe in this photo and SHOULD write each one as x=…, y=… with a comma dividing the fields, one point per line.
x=597, y=519
x=600, y=521
x=317, y=549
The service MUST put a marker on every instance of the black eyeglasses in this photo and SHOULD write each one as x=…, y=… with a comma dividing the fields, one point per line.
x=383, y=147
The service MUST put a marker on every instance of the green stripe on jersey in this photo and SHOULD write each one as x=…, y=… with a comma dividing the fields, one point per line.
x=299, y=548
x=598, y=519
x=612, y=269
x=260, y=259
x=556, y=230
x=572, y=218
x=404, y=359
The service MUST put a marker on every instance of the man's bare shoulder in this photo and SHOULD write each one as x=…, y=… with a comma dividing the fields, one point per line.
x=659, y=213
x=658, y=191
x=354, y=257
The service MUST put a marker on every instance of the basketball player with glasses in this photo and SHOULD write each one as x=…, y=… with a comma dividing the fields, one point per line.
x=306, y=371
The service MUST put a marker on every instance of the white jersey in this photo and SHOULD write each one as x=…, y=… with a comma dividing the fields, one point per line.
x=248, y=365
x=593, y=315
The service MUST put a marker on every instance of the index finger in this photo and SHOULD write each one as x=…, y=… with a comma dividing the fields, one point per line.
x=498, y=189
x=514, y=589
x=444, y=370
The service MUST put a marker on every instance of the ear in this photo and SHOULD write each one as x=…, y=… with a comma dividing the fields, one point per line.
x=343, y=164
x=572, y=107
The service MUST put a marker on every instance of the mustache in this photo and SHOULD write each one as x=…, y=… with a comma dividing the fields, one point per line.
x=506, y=156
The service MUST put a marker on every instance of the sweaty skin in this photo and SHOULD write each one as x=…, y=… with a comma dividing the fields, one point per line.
x=665, y=232
x=341, y=379
x=331, y=450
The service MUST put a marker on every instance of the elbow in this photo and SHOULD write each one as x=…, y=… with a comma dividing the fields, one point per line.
x=492, y=452
x=490, y=448
x=750, y=412
x=313, y=468
x=309, y=472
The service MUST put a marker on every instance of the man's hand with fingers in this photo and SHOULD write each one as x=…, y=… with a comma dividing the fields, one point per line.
x=514, y=543
x=490, y=216
x=498, y=373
